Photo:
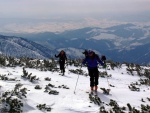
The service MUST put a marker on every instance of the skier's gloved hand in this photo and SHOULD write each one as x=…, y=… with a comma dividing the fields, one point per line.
x=55, y=55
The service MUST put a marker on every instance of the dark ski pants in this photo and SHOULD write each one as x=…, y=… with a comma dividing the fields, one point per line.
x=62, y=66
x=93, y=73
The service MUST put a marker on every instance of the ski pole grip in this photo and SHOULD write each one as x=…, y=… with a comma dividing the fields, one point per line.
x=103, y=59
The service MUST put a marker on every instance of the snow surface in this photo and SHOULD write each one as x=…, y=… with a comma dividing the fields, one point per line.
x=67, y=101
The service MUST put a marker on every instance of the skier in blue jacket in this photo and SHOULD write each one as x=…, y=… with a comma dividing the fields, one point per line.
x=92, y=60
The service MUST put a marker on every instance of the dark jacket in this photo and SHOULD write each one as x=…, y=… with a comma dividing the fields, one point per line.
x=62, y=57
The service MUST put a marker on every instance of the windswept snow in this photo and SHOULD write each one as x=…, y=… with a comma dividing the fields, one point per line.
x=68, y=102
x=105, y=36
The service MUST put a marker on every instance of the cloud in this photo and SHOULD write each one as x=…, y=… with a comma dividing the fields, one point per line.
x=57, y=15
x=47, y=8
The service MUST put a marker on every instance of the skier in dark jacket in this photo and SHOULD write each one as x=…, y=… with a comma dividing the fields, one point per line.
x=62, y=58
x=92, y=61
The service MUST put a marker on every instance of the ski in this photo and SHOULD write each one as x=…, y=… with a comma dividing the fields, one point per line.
x=62, y=74
x=94, y=98
x=96, y=93
x=106, y=91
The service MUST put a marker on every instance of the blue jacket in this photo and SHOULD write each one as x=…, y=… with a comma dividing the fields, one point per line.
x=92, y=62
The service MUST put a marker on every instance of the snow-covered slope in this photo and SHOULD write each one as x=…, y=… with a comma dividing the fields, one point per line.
x=19, y=47
x=68, y=102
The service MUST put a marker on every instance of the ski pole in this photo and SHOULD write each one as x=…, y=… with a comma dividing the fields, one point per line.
x=104, y=59
x=107, y=79
x=68, y=67
x=77, y=81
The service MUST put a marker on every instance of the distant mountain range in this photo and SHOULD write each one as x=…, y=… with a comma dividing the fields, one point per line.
x=19, y=47
x=122, y=43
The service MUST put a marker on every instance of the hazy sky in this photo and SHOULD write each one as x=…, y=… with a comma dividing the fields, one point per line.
x=74, y=11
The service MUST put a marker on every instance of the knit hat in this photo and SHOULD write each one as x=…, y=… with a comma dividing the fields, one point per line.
x=90, y=52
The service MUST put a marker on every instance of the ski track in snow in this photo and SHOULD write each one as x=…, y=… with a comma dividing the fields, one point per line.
x=68, y=102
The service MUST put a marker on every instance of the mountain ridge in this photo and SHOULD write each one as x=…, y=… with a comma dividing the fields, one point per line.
x=20, y=47
x=120, y=43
